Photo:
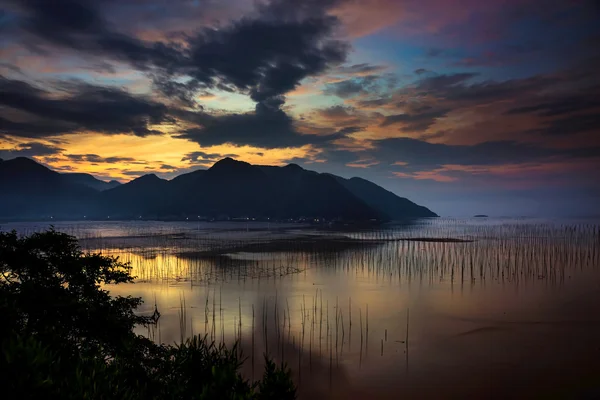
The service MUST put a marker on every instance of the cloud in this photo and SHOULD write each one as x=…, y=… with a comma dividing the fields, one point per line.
x=267, y=127
x=507, y=54
x=79, y=25
x=363, y=163
x=564, y=113
x=264, y=55
x=82, y=107
x=421, y=160
x=33, y=130
x=94, y=158
x=351, y=87
x=299, y=45
x=442, y=82
x=182, y=92
x=550, y=173
x=234, y=56
x=30, y=149
x=419, y=121
x=422, y=155
x=461, y=122
x=338, y=113
x=566, y=104
x=571, y=125
x=360, y=69
x=374, y=102
x=463, y=108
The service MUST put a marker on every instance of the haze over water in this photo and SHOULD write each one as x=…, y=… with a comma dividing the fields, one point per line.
x=493, y=307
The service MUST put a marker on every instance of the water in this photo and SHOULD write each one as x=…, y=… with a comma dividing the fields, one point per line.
x=440, y=308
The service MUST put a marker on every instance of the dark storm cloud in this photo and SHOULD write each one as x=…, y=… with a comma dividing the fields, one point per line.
x=512, y=89
x=572, y=124
x=424, y=155
x=419, y=156
x=183, y=92
x=377, y=102
x=460, y=88
x=351, y=87
x=10, y=67
x=564, y=105
x=79, y=25
x=337, y=112
x=566, y=113
x=31, y=149
x=562, y=108
x=268, y=56
x=83, y=107
x=418, y=121
x=200, y=155
x=553, y=98
x=33, y=129
x=349, y=130
x=94, y=158
x=268, y=126
x=264, y=56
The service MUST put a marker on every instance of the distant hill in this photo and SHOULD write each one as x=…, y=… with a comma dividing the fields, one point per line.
x=388, y=203
x=90, y=181
x=142, y=196
x=30, y=189
x=228, y=189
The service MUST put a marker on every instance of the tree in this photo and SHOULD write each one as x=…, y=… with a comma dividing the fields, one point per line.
x=65, y=336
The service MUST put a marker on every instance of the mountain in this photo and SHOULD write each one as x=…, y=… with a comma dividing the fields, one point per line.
x=237, y=189
x=386, y=202
x=142, y=196
x=90, y=181
x=30, y=189
x=229, y=188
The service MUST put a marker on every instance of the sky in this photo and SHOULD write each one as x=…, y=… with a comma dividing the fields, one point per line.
x=464, y=106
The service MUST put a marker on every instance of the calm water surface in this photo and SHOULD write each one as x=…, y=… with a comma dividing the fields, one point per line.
x=439, y=308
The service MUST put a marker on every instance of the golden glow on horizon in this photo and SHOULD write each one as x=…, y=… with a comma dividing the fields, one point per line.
x=148, y=154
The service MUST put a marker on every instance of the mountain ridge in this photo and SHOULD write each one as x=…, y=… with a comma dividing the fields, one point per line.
x=91, y=181
x=228, y=189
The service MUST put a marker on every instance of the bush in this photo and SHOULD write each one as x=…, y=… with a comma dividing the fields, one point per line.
x=63, y=336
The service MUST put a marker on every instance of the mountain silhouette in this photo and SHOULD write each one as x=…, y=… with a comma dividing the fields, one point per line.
x=375, y=196
x=90, y=181
x=228, y=189
x=142, y=196
x=30, y=189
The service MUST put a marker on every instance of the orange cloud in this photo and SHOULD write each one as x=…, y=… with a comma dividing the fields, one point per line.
x=550, y=172
x=363, y=163
x=434, y=175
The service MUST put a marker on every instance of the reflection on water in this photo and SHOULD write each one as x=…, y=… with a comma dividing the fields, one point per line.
x=435, y=309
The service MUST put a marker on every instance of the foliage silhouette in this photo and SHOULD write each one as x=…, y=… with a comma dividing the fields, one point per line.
x=64, y=336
